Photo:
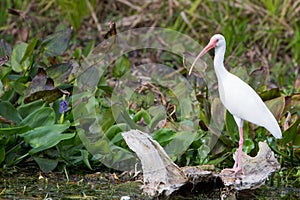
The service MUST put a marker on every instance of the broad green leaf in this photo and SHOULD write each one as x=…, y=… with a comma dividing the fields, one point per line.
x=276, y=106
x=297, y=138
x=101, y=146
x=60, y=72
x=15, y=130
x=118, y=138
x=115, y=129
x=85, y=158
x=17, y=63
x=8, y=111
x=45, y=137
x=41, y=117
x=219, y=160
x=57, y=43
x=248, y=145
x=88, y=48
x=292, y=103
x=18, y=87
x=231, y=126
x=47, y=95
x=203, y=151
x=180, y=143
x=270, y=94
x=291, y=134
x=4, y=71
x=77, y=53
x=122, y=66
x=142, y=114
x=119, y=158
x=45, y=164
x=106, y=120
x=158, y=113
x=29, y=49
x=38, y=82
x=163, y=136
x=27, y=109
x=2, y=154
x=42, y=87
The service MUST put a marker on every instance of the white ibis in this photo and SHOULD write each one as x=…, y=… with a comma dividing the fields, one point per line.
x=238, y=98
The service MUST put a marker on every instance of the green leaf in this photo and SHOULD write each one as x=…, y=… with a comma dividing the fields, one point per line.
x=248, y=145
x=18, y=87
x=14, y=130
x=4, y=71
x=85, y=158
x=142, y=114
x=57, y=43
x=42, y=87
x=122, y=66
x=17, y=63
x=88, y=48
x=45, y=164
x=60, y=72
x=158, y=113
x=106, y=120
x=231, y=126
x=29, y=49
x=180, y=143
x=101, y=146
x=115, y=129
x=27, y=109
x=203, y=151
x=290, y=134
x=77, y=53
x=2, y=154
x=118, y=137
x=8, y=111
x=270, y=94
x=276, y=106
x=163, y=136
x=38, y=82
x=41, y=117
x=46, y=95
x=45, y=137
x=218, y=160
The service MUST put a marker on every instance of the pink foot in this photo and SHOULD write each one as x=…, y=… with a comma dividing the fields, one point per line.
x=237, y=167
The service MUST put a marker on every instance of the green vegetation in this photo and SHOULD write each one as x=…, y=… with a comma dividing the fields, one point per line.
x=37, y=83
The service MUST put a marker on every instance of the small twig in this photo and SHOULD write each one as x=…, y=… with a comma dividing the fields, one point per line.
x=94, y=16
x=130, y=4
x=185, y=19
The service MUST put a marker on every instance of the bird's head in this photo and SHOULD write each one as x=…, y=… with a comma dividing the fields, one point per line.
x=216, y=41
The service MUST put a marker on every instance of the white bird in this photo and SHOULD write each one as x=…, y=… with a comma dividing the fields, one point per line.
x=238, y=98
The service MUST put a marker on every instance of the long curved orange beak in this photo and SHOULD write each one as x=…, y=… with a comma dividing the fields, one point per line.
x=212, y=44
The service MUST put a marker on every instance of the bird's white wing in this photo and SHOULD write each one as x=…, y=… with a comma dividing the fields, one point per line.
x=243, y=102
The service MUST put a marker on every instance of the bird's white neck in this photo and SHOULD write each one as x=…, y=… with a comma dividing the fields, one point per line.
x=219, y=61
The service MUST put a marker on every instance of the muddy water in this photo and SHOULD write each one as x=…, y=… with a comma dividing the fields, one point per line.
x=31, y=183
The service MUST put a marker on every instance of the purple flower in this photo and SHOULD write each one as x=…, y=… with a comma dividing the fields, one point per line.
x=63, y=106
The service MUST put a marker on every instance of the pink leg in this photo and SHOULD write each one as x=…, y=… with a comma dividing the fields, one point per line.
x=237, y=167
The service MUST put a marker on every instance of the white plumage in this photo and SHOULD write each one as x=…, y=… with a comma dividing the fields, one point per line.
x=239, y=98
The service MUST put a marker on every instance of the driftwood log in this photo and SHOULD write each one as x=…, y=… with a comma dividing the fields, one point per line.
x=162, y=177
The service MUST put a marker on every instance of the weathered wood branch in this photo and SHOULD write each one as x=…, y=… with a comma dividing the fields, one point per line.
x=160, y=174
x=163, y=177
